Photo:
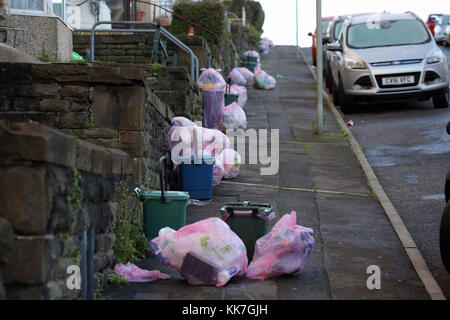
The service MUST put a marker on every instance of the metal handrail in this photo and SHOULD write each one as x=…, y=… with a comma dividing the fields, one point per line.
x=167, y=34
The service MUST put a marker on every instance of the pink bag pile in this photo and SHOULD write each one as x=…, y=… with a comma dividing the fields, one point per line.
x=263, y=80
x=206, y=252
x=242, y=92
x=284, y=250
x=234, y=117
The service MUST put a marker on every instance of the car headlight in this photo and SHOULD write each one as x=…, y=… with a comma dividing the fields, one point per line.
x=354, y=63
x=436, y=58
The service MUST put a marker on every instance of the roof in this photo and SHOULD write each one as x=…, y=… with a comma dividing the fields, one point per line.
x=385, y=16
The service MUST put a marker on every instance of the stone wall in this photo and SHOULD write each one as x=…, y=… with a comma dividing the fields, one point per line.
x=39, y=36
x=240, y=37
x=106, y=105
x=42, y=215
x=137, y=48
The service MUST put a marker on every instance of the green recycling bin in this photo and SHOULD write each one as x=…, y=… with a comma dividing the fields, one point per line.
x=250, y=221
x=163, y=208
x=250, y=63
x=230, y=98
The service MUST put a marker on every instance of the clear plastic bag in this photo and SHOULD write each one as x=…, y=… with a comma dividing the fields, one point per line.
x=218, y=173
x=237, y=77
x=263, y=80
x=234, y=117
x=211, y=79
x=133, y=273
x=206, y=252
x=242, y=92
x=210, y=141
x=248, y=75
x=182, y=122
x=284, y=250
x=231, y=161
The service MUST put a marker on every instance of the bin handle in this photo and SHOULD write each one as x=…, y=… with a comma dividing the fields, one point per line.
x=162, y=177
x=138, y=193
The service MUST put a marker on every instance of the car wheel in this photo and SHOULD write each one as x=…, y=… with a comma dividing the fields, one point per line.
x=444, y=237
x=346, y=106
x=441, y=100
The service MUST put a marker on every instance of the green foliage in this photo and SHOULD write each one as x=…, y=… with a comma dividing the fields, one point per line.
x=209, y=14
x=254, y=35
x=76, y=197
x=116, y=279
x=91, y=125
x=45, y=57
x=131, y=243
x=156, y=67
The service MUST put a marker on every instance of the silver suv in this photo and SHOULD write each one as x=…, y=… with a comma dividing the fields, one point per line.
x=387, y=56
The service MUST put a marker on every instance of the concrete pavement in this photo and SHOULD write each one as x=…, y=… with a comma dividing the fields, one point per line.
x=321, y=179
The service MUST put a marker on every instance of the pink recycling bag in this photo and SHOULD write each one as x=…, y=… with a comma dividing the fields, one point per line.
x=284, y=250
x=133, y=273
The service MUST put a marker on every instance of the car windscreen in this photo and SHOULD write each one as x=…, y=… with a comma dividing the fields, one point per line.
x=387, y=33
x=337, y=29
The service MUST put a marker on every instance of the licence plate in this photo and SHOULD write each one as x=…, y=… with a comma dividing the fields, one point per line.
x=397, y=80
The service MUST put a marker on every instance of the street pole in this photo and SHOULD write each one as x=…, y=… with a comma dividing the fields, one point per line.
x=319, y=65
x=296, y=29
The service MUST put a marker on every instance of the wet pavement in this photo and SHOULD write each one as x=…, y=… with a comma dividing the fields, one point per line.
x=351, y=230
x=407, y=146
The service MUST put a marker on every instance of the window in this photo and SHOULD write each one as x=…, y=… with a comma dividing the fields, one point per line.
x=27, y=4
x=31, y=7
x=390, y=33
x=337, y=29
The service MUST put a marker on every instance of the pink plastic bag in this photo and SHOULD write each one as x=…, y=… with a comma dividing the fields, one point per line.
x=206, y=252
x=237, y=77
x=231, y=161
x=182, y=122
x=284, y=250
x=248, y=75
x=234, y=117
x=263, y=80
x=242, y=92
x=210, y=141
x=252, y=54
x=218, y=173
x=211, y=79
x=133, y=273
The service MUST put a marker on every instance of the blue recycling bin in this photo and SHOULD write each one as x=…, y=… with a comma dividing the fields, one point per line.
x=197, y=178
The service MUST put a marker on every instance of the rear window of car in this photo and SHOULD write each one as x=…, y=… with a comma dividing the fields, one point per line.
x=387, y=33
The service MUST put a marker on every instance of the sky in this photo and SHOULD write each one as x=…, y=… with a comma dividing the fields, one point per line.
x=279, y=24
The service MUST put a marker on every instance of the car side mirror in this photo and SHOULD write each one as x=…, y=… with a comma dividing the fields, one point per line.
x=310, y=34
x=448, y=127
x=335, y=46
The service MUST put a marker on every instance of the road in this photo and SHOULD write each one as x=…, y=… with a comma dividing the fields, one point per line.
x=409, y=150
